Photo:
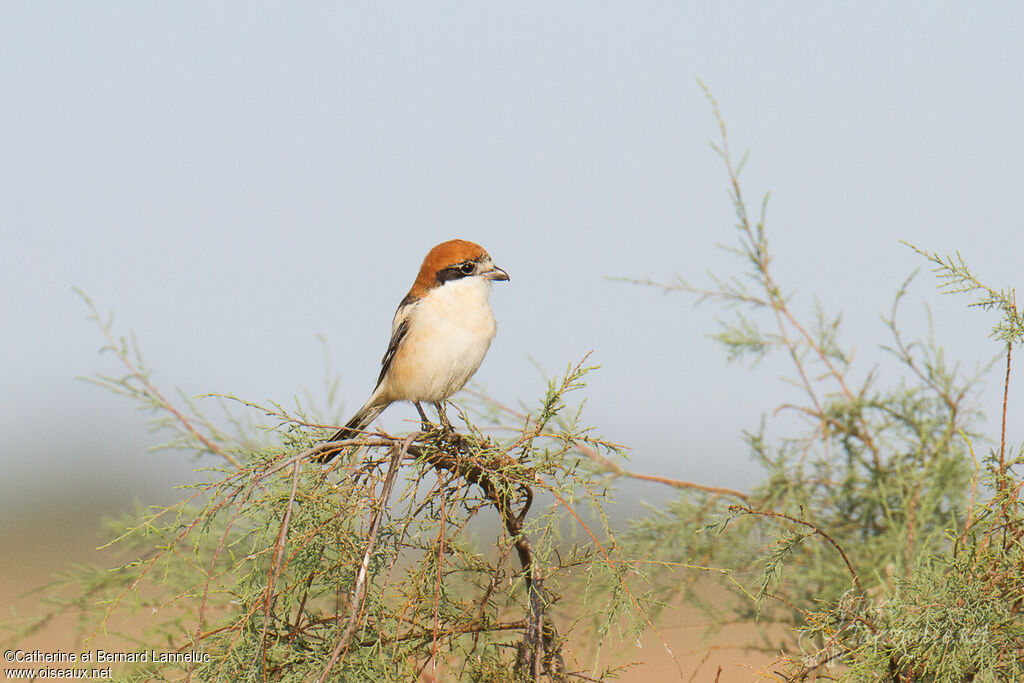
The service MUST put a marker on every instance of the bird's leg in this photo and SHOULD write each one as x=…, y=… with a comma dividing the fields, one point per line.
x=442, y=416
x=424, y=422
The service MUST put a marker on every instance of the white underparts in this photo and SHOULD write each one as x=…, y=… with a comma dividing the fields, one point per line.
x=450, y=330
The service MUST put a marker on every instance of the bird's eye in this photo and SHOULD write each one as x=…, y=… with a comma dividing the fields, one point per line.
x=466, y=268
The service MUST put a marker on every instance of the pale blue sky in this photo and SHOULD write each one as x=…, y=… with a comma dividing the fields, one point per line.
x=234, y=179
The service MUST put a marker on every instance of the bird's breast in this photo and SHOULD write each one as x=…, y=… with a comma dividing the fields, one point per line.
x=449, y=333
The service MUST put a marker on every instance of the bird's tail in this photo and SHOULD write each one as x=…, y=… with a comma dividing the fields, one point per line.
x=367, y=414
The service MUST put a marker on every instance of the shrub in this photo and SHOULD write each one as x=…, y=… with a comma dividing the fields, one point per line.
x=877, y=538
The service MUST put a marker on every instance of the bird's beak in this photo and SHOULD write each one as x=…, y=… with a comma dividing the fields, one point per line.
x=496, y=273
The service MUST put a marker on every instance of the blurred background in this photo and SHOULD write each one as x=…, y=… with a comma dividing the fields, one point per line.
x=232, y=182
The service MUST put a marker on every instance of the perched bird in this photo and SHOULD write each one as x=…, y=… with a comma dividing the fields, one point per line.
x=440, y=335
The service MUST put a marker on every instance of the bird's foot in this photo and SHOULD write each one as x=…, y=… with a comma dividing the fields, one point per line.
x=425, y=425
x=443, y=417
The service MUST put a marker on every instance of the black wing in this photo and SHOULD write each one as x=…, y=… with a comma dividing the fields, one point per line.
x=400, y=327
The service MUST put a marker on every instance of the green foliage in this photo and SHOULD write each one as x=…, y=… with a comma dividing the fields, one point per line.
x=956, y=278
x=875, y=539
x=433, y=551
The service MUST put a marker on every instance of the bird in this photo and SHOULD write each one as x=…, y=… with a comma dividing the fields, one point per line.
x=439, y=336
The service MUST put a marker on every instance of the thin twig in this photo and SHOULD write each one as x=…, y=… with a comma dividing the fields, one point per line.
x=152, y=390
x=1002, y=430
x=620, y=471
x=359, y=590
x=275, y=566
x=772, y=513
